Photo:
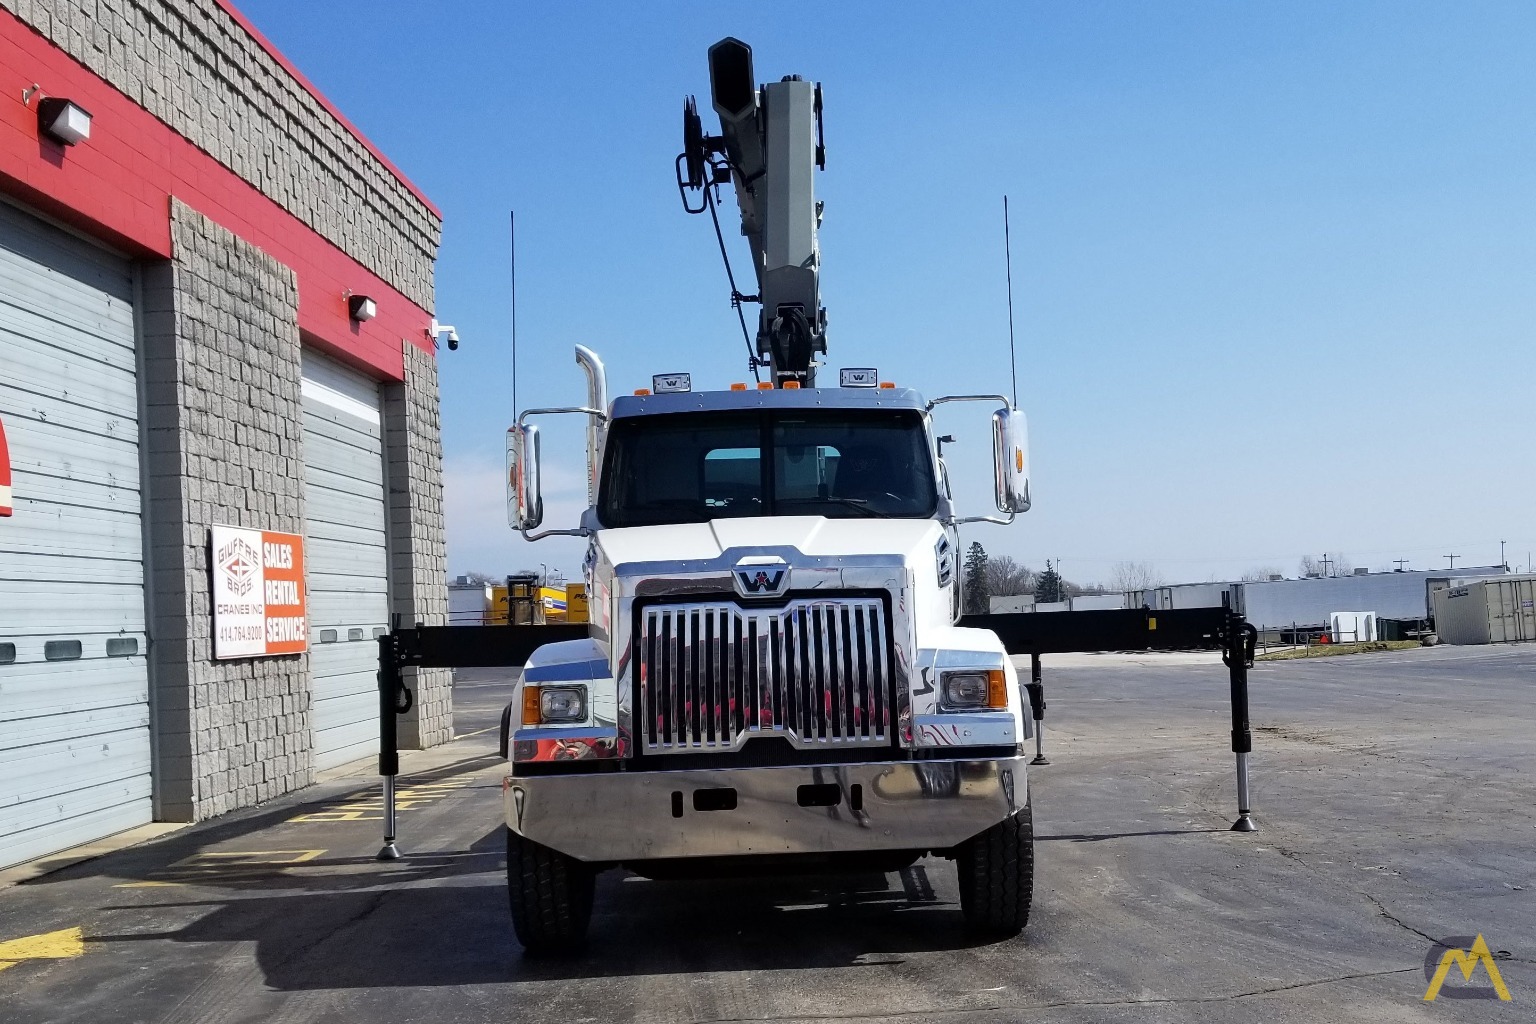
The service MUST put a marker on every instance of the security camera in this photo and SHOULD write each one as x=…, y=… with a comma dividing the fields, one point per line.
x=437, y=330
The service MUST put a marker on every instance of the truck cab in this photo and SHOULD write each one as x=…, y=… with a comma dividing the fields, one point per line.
x=774, y=677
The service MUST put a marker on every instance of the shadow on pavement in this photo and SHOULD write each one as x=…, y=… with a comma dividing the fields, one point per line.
x=1100, y=837
x=461, y=934
x=192, y=857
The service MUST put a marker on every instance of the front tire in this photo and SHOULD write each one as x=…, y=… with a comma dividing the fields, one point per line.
x=551, y=897
x=997, y=876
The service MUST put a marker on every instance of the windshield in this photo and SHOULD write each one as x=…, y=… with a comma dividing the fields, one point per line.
x=697, y=466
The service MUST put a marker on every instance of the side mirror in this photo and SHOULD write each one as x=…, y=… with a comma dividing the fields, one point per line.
x=1010, y=459
x=525, y=505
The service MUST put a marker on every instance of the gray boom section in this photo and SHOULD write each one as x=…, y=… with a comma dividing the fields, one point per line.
x=771, y=142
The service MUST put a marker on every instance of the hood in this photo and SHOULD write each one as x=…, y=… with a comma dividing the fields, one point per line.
x=717, y=544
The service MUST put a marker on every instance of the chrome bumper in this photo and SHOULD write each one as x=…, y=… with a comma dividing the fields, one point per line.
x=626, y=816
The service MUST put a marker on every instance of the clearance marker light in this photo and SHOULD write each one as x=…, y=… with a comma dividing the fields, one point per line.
x=531, y=710
x=791, y=385
x=765, y=385
x=886, y=385
x=738, y=386
x=642, y=392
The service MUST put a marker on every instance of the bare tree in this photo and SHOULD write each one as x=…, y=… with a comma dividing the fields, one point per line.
x=484, y=578
x=1008, y=578
x=1126, y=576
x=1330, y=564
x=1260, y=575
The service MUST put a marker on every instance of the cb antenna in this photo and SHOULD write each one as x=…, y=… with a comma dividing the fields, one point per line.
x=512, y=218
x=1013, y=359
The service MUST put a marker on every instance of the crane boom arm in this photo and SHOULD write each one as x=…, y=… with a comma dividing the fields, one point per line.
x=770, y=138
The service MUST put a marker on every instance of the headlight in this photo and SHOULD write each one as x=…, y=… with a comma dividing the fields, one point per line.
x=543, y=705
x=562, y=703
x=985, y=688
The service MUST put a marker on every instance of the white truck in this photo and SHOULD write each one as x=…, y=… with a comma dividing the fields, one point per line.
x=774, y=678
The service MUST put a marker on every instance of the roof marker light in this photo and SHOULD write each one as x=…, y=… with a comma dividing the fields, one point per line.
x=672, y=383
x=765, y=385
x=859, y=377
x=791, y=385
x=887, y=385
x=642, y=392
x=739, y=386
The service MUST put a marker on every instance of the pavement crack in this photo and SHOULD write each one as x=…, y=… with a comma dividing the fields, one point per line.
x=1381, y=909
x=937, y=1011
x=301, y=949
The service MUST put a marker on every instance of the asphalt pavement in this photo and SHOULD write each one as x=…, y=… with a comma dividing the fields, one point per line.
x=1393, y=792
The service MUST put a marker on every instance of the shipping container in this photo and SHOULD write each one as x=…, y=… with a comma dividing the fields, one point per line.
x=1487, y=611
x=1352, y=627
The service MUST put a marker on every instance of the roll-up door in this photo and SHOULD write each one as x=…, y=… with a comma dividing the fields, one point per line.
x=74, y=690
x=346, y=557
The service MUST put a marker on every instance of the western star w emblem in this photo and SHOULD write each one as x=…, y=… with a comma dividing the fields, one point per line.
x=761, y=577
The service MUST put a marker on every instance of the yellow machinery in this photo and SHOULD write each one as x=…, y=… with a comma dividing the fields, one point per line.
x=535, y=605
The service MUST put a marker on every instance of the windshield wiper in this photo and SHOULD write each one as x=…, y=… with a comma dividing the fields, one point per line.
x=862, y=504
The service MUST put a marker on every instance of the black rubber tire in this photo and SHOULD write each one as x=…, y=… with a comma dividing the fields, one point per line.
x=997, y=876
x=551, y=897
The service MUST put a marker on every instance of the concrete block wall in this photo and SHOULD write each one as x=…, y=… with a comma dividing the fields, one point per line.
x=192, y=65
x=418, y=561
x=223, y=440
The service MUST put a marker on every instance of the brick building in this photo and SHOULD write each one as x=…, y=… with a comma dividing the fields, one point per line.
x=215, y=311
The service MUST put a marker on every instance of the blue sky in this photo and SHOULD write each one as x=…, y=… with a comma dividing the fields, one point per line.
x=1274, y=265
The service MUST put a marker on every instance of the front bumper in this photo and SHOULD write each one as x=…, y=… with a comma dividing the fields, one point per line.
x=629, y=816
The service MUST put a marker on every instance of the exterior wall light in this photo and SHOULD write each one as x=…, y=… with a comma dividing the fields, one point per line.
x=63, y=120
x=361, y=308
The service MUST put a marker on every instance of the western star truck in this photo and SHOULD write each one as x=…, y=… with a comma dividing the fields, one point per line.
x=774, y=677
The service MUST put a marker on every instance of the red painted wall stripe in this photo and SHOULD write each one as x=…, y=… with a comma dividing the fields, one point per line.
x=117, y=185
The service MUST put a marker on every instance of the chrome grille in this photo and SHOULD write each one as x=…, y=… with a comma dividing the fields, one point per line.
x=711, y=676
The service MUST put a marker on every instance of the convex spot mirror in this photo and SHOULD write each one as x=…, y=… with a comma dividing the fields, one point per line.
x=525, y=505
x=1010, y=458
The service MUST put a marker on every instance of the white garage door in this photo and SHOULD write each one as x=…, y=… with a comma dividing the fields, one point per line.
x=74, y=691
x=347, y=558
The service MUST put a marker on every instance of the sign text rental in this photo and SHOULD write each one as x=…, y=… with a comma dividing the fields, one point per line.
x=258, y=593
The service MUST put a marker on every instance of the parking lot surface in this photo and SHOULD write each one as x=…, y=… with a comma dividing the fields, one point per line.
x=1393, y=793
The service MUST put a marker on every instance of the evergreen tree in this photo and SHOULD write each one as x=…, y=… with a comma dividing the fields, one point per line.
x=976, y=594
x=1050, y=587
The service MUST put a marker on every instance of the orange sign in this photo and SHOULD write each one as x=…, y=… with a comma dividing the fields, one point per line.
x=259, y=605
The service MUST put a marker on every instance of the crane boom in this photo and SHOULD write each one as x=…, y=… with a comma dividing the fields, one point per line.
x=769, y=147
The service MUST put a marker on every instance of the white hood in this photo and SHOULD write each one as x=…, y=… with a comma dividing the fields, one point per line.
x=905, y=540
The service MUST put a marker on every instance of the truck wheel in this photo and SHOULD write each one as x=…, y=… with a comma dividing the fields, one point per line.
x=551, y=896
x=997, y=876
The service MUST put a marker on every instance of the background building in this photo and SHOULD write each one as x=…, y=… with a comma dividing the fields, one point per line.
x=1308, y=603
x=214, y=311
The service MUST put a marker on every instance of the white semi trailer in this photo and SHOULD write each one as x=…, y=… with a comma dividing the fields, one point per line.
x=774, y=677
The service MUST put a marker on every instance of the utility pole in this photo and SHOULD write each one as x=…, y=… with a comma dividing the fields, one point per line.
x=1326, y=564
x=1400, y=562
x=1453, y=560
x=1501, y=556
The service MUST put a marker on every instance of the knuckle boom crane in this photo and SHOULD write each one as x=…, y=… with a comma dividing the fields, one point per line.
x=775, y=674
